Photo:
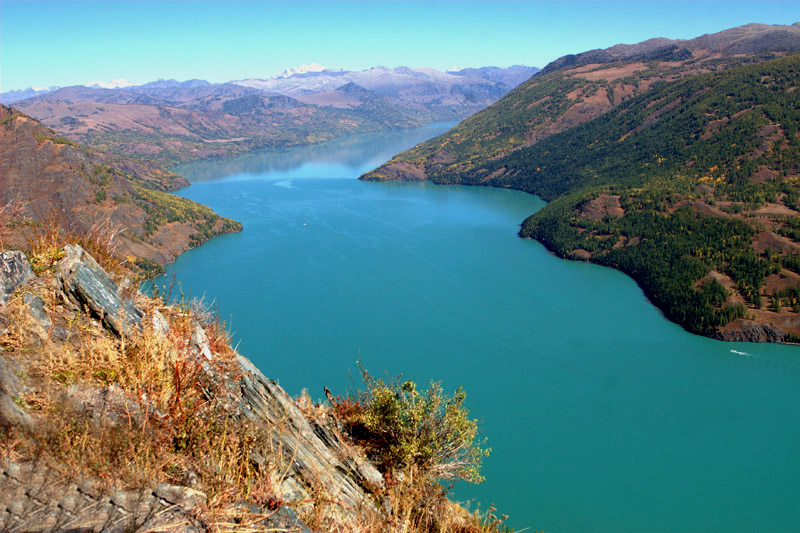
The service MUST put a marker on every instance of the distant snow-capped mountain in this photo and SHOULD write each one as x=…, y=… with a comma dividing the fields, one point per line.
x=301, y=69
x=420, y=85
x=23, y=94
x=117, y=83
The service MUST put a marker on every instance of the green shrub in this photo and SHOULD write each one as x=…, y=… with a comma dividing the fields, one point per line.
x=402, y=427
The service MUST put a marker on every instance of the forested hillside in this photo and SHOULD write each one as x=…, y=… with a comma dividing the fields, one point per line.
x=702, y=180
x=575, y=89
x=691, y=188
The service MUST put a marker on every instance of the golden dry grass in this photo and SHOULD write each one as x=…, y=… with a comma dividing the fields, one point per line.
x=140, y=409
x=147, y=408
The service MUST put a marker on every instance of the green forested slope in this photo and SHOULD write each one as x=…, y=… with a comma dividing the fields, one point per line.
x=727, y=124
x=728, y=139
x=547, y=104
x=691, y=188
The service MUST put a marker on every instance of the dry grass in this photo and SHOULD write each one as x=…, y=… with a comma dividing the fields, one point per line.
x=140, y=410
x=149, y=408
x=54, y=230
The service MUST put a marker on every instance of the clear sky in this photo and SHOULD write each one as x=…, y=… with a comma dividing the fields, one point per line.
x=63, y=42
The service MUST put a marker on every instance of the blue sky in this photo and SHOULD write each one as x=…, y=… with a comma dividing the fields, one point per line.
x=62, y=42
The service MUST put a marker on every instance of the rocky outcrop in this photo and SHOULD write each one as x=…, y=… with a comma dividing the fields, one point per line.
x=85, y=283
x=315, y=461
x=34, y=497
x=743, y=330
x=15, y=271
x=318, y=455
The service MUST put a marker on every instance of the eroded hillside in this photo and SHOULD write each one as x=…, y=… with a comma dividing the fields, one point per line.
x=47, y=180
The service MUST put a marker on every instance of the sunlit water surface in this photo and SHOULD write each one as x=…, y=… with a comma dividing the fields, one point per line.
x=601, y=414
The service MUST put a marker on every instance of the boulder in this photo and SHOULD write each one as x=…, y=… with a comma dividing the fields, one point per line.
x=85, y=284
x=15, y=271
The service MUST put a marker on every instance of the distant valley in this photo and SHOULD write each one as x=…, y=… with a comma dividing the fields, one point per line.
x=169, y=122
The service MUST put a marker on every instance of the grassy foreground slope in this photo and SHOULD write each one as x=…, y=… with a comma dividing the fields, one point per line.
x=691, y=188
x=125, y=412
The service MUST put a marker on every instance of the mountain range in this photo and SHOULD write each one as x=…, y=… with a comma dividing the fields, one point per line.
x=170, y=122
x=676, y=162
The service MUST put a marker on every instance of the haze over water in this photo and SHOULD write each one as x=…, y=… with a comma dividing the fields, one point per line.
x=602, y=415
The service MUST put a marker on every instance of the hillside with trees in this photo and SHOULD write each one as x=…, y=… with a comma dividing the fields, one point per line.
x=691, y=186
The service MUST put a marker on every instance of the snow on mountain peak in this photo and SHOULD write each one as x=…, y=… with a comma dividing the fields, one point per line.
x=302, y=69
x=116, y=83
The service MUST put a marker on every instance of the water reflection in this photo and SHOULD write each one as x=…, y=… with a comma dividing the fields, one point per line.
x=331, y=159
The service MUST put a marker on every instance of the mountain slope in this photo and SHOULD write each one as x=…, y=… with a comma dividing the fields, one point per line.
x=213, y=126
x=58, y=183
x=577, y=88
x=691, y=188
x=693, y=191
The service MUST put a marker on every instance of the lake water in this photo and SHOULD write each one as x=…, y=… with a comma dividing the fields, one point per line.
x=602, y=415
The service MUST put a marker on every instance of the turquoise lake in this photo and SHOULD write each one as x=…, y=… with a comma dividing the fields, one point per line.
x=601, y=414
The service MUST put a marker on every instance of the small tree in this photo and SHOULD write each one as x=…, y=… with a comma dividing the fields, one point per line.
x=776, y=301
x=402, y=427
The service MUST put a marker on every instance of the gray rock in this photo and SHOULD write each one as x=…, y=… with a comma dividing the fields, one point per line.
x=85, y=284
x=319, y=458
x=36, y=309
x=15, y=271
x=10, y=412
x=184, y=497
x=743, y=330
x=285, y=519
x=34, y=497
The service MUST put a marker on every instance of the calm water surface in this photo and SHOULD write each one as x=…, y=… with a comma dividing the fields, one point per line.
x=602, y=415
